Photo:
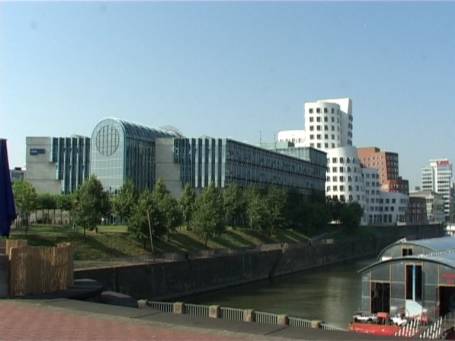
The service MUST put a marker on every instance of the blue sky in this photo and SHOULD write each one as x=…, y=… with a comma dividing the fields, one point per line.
x=231, y=69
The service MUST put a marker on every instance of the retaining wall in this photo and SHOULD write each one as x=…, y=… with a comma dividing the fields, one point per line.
x=191, y=276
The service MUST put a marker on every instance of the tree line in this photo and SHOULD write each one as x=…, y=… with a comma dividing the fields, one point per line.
x=155, y=214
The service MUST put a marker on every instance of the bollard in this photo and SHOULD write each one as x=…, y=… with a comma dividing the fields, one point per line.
x=214, y=311
x=316, y=324
x=142, y=304
x=283, y=320
x=178, y=308
x=248, y=315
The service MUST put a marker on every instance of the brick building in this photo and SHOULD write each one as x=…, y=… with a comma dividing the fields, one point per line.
x=387, y=165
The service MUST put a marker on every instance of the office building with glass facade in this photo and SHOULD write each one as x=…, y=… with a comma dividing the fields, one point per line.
x=57, y=164
x=122, y=150
x=201, y=161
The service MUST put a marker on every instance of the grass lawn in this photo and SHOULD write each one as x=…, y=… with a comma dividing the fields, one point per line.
x=114, y=241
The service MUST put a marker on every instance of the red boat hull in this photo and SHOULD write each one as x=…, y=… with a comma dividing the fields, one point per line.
x=374, y=329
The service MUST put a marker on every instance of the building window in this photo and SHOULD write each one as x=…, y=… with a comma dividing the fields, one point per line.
x=311, y=110
x=414, y=282
x=334, y=160
x=333, y=145
x=318, y=110
x=331, y=110
x=341, y=188
x=334, y=169
x=319, y=145
x=325, y=110
x=311, y=128
x=318, y=136
x=318, y=128
x=326, y=145
x=326, y=127
x=333, y=128
x=325, y=119
x=335, y=179
x=326, y=137
x=318, y=119
x=341, y=178
x=311, y=119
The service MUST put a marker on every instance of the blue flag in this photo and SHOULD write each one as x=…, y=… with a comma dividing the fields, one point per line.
x=7, y=207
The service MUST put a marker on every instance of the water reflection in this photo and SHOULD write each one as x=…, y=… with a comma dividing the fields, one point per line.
x=331, y=294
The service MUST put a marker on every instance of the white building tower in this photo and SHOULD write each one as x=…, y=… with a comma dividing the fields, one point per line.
x=437, y=177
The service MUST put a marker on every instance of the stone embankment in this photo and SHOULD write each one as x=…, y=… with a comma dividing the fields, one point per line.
x=190, y=275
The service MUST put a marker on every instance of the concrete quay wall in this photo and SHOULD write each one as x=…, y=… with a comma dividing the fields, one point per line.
x=190, y=276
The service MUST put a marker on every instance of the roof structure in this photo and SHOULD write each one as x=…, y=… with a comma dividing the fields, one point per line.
x=431, y=244
x=440, y=250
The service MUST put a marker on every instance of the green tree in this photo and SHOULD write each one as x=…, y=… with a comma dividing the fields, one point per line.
x=168, y=206
x=26, y=200
x=187, y=203
x=91, y=204
x=46, y=201
x=146, y=221
x=208, y=217
x=124, y=201
x=351, y=214
x=235, y=206
x=64, y=202
x=276, y=201
x=259, y=215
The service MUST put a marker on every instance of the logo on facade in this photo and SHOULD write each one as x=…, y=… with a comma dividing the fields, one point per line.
x=37, y=151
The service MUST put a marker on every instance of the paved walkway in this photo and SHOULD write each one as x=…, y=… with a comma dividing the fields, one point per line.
x=63, y=319
x=21, y=321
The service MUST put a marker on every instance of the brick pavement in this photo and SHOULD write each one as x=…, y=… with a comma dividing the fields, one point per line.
x=21, y=321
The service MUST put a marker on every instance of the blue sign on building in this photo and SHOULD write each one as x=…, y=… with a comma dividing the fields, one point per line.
x=37, y=151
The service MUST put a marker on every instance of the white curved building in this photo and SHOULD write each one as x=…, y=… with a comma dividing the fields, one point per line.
x=328, y=127
x=344, y=180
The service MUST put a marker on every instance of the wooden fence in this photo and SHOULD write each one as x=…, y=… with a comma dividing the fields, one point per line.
x=38, y=270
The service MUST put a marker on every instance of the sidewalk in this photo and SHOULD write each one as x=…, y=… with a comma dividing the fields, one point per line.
x=63, y=319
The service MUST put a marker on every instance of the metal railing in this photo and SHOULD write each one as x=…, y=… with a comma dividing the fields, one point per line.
x=165, y=307
x=236, y=314
x=299, y=322
x=196, y=310
x=265, y=318
x=325, y=326
x=233, y=314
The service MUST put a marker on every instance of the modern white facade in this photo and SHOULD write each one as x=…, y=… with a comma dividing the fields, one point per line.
x=437, y=177
x=329, y=127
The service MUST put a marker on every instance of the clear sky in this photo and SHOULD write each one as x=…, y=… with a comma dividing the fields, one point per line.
x=231, y=70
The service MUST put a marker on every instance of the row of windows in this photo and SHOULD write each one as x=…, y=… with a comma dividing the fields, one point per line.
x=341, y=169
x=326, y=119
x=319, y=145
x=342, y=198
x=325, y=128
x=342, y=188
x=318, y=137
x=318, y=110
x=342, y=160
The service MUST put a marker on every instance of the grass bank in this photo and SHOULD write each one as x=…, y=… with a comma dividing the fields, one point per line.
x=112, y=242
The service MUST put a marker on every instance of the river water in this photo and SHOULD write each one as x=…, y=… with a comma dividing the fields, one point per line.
x=330, y=293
